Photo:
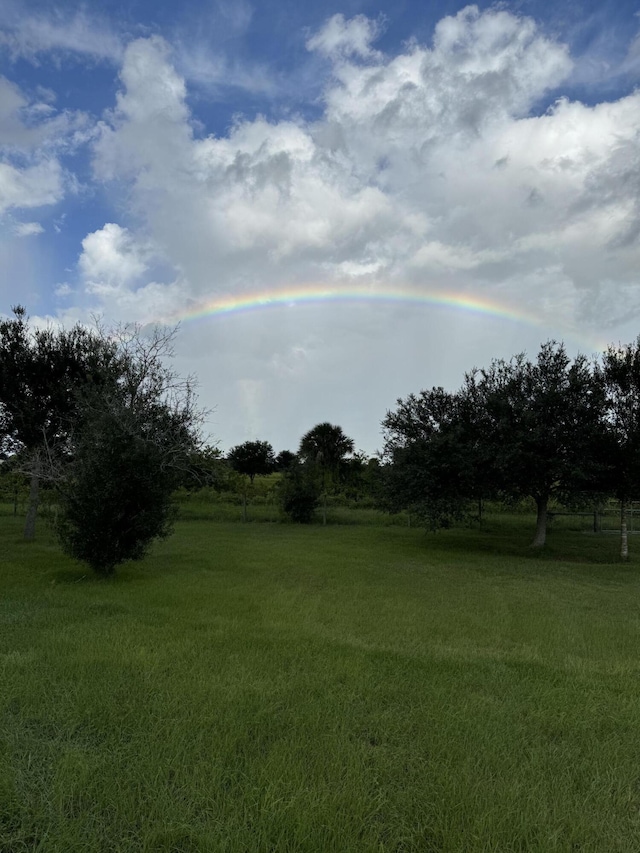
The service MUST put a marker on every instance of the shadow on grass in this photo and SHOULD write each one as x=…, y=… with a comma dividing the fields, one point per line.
x=514, y=540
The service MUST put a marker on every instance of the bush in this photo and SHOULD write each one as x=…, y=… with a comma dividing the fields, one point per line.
x=300, y=491
x=117, y=495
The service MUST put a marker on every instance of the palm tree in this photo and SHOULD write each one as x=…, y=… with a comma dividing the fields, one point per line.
x=326, y=445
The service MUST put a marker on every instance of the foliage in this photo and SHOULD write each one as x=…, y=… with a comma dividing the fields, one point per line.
x=41, y=373
x=252, y=458
x=327, y=446
x=517, y=428
x=433, y=458
x=542, y=416
x=100, y=417
x=621, y=376
x=285, y=459
x=12, y=483
x=116, y=495
x=300, y=491
x=621, y=444
x=358, y=476
x=130, y=448
x=206, y=468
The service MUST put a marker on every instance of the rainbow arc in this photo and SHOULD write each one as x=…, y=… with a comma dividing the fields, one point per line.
x=326, y=293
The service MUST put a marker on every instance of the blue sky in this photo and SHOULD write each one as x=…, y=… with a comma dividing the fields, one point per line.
x=157, y=156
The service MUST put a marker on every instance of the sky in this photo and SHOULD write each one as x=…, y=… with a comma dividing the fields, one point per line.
x=340, y=203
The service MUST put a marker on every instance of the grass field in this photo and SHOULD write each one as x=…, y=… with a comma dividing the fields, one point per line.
x=267, y=687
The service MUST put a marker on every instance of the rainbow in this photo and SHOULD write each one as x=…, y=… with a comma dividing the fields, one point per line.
x=322, y=293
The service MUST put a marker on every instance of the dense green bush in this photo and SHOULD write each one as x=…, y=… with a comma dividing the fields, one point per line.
x=300, y=491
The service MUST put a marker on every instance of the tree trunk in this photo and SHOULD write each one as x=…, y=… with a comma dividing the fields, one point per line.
x=34, y=499
x=624, y=539
x=244, y=506
x=541, y=522
x=324, y=508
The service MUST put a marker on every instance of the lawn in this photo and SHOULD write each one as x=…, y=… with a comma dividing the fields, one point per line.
x=267, y=687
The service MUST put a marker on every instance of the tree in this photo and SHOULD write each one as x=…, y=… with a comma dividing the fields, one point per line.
x=252, y=458
x=284, y=460
x=326, y=445
x=116, y=496
x=621, y=377
x=433, y=460
x=355, y=476
x=539, y=423
x=206, y=468
x=130, y=444
x=41, y=371
x=12, y=482
x=519, y=427
x=300, y=492
x=105, y=422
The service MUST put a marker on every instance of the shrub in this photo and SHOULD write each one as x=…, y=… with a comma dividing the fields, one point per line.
x=300, y=490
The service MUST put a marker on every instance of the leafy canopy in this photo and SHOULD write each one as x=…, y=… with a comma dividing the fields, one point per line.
x=252, y=458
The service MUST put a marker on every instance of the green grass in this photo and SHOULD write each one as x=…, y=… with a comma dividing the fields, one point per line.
x=194, y=508
x=266, y=687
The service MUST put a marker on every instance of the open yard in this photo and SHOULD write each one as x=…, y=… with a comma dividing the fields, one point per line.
x=267, y=687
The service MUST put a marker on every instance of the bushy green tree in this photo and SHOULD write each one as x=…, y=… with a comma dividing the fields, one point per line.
x=131, y=444
x=300, y=490
x=41, y=373
x=284, y=460
x=252, y=458
x=541, y=419
x=116, y=496
x=106, y=422
x=432, y=461
x=206, y=469
x=519, y=427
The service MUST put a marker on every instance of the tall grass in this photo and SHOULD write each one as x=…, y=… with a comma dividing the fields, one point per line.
x=349, y=688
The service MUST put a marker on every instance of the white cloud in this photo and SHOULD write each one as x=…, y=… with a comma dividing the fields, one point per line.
x=432, y=168
x=33, y=138
x=340, y=38
x=111, y=259
x=27, y=125
x=219, y=71
x=116, y=269
x=34, y=186
x=28, y=36
x=27, y=229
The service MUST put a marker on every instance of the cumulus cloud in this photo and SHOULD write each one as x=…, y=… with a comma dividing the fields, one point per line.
x=116, y=269
x=111, y=259
x=434, y=167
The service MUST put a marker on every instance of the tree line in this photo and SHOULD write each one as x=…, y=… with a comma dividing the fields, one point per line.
x=324, y=463
x=553, y=427
x=101, y=420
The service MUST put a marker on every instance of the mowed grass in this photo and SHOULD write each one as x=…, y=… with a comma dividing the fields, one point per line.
x=277, y=688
